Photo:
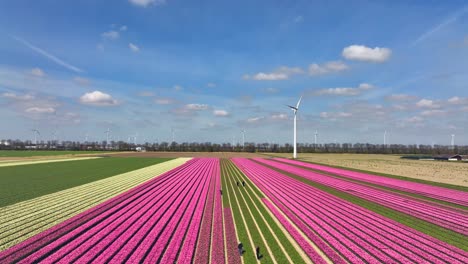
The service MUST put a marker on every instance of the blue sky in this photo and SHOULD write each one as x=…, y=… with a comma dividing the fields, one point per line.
x=208, y=69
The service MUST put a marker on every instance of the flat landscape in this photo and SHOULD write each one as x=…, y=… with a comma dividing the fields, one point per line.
x=166, y=208
x=455, y=173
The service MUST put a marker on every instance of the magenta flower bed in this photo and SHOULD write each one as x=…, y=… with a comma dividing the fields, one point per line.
x=156, y=222
x=450, y=218
x=356, y=234
x=231, y=239
x=217, y=242
x=440, y=193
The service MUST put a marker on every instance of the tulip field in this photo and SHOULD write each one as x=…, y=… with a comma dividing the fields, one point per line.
x=198, y=210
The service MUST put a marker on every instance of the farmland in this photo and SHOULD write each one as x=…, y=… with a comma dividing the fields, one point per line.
x=37, y=153
x=452, y=173
x=160, y=210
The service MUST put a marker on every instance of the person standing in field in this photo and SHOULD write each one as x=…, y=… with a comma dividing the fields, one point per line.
x=243, y=183
x=240, y=247
x=259, y=256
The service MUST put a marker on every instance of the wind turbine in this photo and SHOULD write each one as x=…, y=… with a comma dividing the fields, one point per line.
x=453, y=141
x=172, y=132
x=295, y=109
x=135, y=138
x=385, y=138
x=36, y=133
x=243, y=138
x=107, y=136
x=315, y=137
x=86, y=137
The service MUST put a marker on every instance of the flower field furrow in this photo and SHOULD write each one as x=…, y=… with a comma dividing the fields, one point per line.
x=42, y=213
x=231, y=241
x=450, y=219
x=204, y=241
x=324, y=214
x=444, y=194
x=308, y=249
x=158, y=221
x=217, y=241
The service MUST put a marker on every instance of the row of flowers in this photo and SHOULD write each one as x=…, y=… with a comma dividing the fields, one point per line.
x=370, y=238
x=436, y=192
x=146, y=223
x=440, y=215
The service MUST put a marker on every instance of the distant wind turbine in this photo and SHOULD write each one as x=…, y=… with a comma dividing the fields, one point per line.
x=107, y=135
x=315, y=137
x=243, y=138
x=36, y=133
x=385, y=138
x=172, y=133
x=453, y=141
x=295, y=109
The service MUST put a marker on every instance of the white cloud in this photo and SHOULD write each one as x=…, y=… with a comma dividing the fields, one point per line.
x=220, y=113
x=178, y=88
x=13, y=96
x=399, y=97
x=329, y=67
x=458, y=100
x=146, y=94
x=282, y=73
x=363, y=53
x=298, y=19
x=254, y=119
x=211, y=85
x=133, y=47
x=426, y=103
x=334, y=116
x=271, y=90
x=37, y=72
x=48, y=55
x=345, y=91
x=40, y=110
x=98, y=98
x=123, y=28
x=111, y=35
x=164, y=101
x=434, y=112
x=196, y=107
x=279, y=117
x=146, y=3
x=81, y=81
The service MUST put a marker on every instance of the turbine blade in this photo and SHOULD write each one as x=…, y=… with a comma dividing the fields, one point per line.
x=298, y=103
x=292, y=107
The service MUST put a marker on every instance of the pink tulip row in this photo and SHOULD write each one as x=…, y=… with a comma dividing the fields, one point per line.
x=231, y=239
x=357, y=234
x=308, y=249
x=440, y=193
x=204, y=240
x=217, y=242
x=33, y=244
x=158, y=221
x=447, y=217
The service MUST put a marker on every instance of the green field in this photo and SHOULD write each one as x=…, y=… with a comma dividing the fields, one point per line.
x=33, y=153
x=25, y=182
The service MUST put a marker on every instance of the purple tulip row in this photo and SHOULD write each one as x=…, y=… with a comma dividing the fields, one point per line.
x=440, y=193
x=357, y=234
x=308, y=249
x=35, y=243
x=217, y=242
x=204, y=240
x=158, y=221
x=231, y=239
x=450, y=218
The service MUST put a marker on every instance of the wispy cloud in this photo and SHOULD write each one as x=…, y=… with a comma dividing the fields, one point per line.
x=451, y=19
x=48, y=55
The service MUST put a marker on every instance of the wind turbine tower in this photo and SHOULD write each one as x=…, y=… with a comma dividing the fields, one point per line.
x=172, y=132
x=315, y=137
x=243, y=138
x=453, y=141
x=385, y=138
x=107, y=136
x=295, y=109
x=36, y=133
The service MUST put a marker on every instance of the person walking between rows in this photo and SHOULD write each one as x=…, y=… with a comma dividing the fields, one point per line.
x=259, y=256
x=243, y=183
x=240, y=247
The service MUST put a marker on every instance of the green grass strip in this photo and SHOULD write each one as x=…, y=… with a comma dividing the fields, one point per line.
x=34, y=153
x=252, y=191
x=20, y=183
x=443, y=234
x=249, y=256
